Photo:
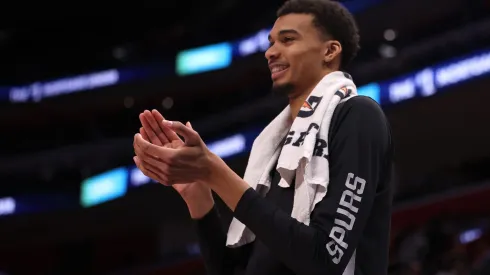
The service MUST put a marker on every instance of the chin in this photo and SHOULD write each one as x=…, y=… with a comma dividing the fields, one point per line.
x=282, y=88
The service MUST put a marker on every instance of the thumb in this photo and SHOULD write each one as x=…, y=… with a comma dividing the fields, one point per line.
x=188, y=124
x=191, y=137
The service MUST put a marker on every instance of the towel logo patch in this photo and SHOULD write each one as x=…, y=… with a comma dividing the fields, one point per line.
x=309, y=106
x=344, y=222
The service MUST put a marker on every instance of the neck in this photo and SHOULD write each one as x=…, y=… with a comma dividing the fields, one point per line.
x=296, y=102
x=296, y=99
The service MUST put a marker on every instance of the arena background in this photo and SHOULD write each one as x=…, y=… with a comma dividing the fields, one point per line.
x=71, y=89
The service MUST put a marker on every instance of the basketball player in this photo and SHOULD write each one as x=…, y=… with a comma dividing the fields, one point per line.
x=310, y=40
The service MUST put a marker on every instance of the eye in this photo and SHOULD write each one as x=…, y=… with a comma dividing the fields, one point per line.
x=287, y=39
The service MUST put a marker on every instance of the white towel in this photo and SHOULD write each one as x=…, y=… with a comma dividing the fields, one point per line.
x=298, y=159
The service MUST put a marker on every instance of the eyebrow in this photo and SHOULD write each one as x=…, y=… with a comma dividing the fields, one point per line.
x=286, y=31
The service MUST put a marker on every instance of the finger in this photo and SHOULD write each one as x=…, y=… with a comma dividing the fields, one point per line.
x=156, y=127
x=147, y=170
x=149, y=161
x=166, y=172
x=171, y=135
x=158, y=165
x=188, y=124
x=152, y=136
x=163, y=153
x=151, y=170
x=191, y=137
x=141, y=153
x=144, y=134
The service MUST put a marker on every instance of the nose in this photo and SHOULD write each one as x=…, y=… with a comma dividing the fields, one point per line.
x=271, y=53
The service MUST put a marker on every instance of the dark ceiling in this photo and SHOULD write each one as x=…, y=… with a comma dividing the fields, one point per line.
x=53, y=46
x=50, y=43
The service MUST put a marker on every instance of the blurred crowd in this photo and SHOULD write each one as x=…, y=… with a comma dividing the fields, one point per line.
x=445, y=246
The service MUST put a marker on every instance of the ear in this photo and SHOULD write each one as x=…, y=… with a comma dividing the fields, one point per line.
x=333, y=49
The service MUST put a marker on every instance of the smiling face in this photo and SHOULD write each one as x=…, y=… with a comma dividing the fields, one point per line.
x=299, y=54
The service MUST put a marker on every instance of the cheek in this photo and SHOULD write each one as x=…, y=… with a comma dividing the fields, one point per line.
x=297, y=66
x=304, y=62
x=311, y=64
x=301, y=68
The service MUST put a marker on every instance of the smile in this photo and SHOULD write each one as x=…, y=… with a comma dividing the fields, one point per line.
x=278, y=71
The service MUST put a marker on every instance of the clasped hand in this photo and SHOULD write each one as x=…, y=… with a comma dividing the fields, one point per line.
x=174, y=162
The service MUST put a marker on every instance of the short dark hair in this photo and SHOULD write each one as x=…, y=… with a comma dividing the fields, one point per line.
x=332, y=19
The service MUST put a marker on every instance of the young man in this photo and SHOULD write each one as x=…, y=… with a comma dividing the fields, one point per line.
x=347, y=230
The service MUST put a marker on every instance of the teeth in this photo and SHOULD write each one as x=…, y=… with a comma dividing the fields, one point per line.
x=276, y=69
